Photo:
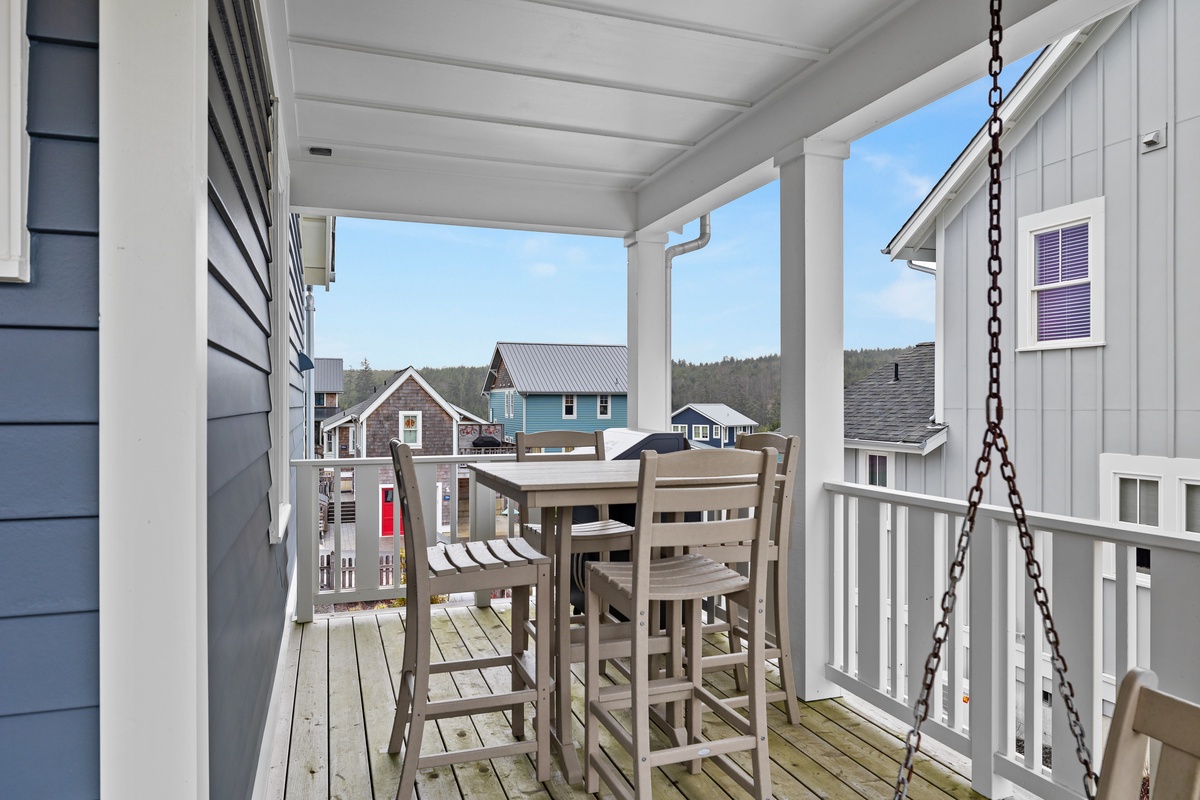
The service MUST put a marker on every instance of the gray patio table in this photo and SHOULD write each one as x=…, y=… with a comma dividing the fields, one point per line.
x=556, y=488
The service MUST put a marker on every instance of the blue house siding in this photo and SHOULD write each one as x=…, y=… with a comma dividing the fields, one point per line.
x=496, y=409
x=690, y=416
x=545, y=413
x=247, y=577
x=49, y=581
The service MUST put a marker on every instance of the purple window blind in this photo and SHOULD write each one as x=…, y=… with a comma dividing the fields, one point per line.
x=1063, y=312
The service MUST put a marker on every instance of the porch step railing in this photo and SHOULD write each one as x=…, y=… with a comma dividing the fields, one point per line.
x=342, y=507
x=998, y=703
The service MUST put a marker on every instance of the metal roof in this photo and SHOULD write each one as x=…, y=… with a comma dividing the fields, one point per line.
x=327, y=376
x=719, y=413
x=895, y=402
x=562, y=368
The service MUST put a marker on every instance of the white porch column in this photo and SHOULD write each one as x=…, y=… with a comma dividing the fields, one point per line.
x=649, y=323
x=153, y=400
x=810, y=253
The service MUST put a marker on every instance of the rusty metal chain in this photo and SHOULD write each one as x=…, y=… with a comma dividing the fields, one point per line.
x=994, y=439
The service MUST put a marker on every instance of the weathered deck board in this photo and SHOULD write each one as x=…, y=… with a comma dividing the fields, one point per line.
x=339, y=699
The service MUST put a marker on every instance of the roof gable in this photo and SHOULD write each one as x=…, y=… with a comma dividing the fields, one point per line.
x=561, y=368
x=367, y=407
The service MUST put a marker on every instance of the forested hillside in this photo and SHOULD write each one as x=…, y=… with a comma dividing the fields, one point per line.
x=750, y=385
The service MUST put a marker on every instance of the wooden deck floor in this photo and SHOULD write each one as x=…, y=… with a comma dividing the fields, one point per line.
x=336, y=715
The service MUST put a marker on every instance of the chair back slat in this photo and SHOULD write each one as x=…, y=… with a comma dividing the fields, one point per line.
x=740, y=482
x=416, y=559
x=589, y=446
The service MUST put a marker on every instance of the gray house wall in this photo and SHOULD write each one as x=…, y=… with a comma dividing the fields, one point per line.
x=911, y=472
x=1138, y=394
x=49, y=410
x=248, y=577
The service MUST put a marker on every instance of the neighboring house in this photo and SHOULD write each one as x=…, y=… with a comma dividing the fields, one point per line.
x=1099, y=335
x=891, y=437
x=327, y=387
x=406, y=407
x=714, y=424
x=542, y=387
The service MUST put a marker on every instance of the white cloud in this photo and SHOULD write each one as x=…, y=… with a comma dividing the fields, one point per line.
x=912, y=186
x=543, y=269
x=910, y=297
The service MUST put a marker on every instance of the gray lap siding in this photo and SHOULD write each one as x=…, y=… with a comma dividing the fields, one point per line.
x=49, y=414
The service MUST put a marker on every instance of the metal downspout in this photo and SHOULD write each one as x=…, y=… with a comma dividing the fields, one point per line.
x=310, y=310
x=672, y=251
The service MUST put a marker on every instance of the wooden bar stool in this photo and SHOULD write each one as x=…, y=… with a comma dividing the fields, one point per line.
x=669, y=487
x=475, y=566
x=778, y=632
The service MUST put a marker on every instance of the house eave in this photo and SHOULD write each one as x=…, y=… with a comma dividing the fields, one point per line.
x=921, y=449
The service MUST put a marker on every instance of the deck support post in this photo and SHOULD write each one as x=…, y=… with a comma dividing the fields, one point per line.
x=649, y=325
x=810, y=251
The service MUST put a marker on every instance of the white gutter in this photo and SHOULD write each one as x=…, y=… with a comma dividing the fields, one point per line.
x=678, y=250
x=928, y=446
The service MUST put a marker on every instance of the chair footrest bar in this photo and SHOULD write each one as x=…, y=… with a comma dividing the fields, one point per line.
x=614, y=780
x=662, y=690
x=689, y=752
x=478, y=705
x=477, y=754
x=438, y=667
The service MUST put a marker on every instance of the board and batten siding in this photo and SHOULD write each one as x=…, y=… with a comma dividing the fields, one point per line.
x=49, y=415
x=248, y=576
x=1139, y=393
x=544, y=412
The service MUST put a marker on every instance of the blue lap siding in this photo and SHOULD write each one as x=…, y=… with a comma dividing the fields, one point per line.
x=49, y=413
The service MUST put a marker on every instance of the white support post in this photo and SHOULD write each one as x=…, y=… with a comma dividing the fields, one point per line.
x=992, y=641
x=811, y=274
x=649, y=322
x=1077, y=605
x=153, y=333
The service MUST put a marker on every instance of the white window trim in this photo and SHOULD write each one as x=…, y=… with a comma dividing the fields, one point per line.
x=700, y=431
x=1089, y=211
x=718, y=433
x=420, y=427
x=1182, y=510
x=599, y=414
x=864, y=466
x=1171, y=473
x=574, y=406
x=679, y=429
x=14, y=143
x=509, y=404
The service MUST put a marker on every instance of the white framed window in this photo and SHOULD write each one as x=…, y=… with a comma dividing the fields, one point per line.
x=1138, y=500
x=569, y=406
x=699, y=431
x=509, y=404
x=679, y=429
x=1060, y=274
x=877, y=473
x=410, y=428
x=14, y=143
x=1190, y=490
x=718, y=433
x=604, y=406
x=353, y=441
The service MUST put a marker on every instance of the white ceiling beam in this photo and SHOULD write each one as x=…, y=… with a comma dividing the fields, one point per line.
x=706, y=34
x=945, y=37
x=509, y=69
x=493, y=202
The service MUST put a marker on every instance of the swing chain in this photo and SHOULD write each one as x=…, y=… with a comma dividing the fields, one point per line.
x=994, y=439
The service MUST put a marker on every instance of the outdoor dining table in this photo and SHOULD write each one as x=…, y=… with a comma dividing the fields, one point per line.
x=556, y=488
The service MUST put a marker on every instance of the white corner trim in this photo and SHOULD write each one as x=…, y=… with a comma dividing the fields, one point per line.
x=281, y=352
x=14, y=143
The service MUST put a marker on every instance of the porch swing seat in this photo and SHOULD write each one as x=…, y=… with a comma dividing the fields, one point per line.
x=1143, y=714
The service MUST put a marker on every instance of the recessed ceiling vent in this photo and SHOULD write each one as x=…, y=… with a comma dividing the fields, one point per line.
x=320, y=151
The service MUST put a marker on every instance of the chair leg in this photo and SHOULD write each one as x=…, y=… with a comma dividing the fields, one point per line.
x=411, y=755
x=757, y=701
x=783, y=639
x=520, y=639
x=542, y=708
x=591, y=660
x=695, y=672
x=640, y=691
x=676, y=714
x=733, y=614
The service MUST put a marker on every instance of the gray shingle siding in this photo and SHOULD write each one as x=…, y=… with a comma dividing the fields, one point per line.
x=49, y=580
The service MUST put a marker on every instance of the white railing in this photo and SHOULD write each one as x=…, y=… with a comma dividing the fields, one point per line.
x=343, y=555
x=891, y=553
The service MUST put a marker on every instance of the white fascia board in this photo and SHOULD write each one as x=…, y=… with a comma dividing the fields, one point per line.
x=930, y=444
x=490, y=202
x=897, y=54
x=410, y=373
x=1057, y=66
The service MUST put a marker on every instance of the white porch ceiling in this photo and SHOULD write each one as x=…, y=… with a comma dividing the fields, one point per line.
x=602, y=117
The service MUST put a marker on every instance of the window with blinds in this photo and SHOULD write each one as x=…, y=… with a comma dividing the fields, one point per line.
x=1061, y=277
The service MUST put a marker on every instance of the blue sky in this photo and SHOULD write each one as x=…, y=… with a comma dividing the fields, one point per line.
x=439, y=295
